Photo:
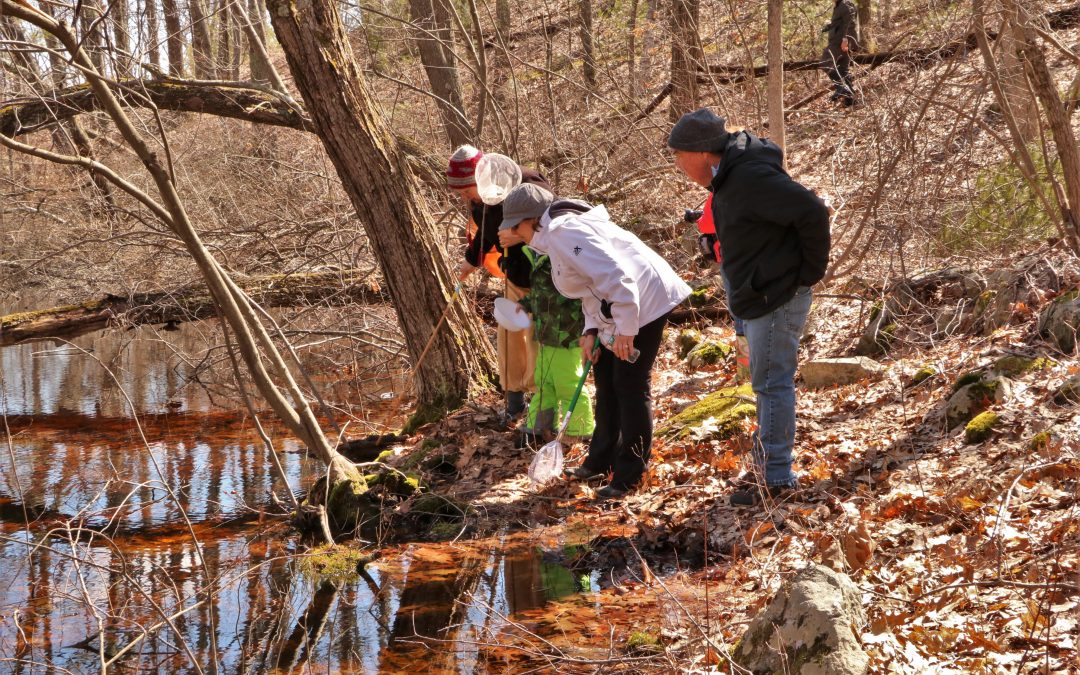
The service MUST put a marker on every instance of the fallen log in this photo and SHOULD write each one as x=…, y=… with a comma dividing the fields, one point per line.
x=190, y=303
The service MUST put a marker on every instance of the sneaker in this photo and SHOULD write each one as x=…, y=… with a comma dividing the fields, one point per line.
x=610, y=492
x=582, y=473
x=751, y=495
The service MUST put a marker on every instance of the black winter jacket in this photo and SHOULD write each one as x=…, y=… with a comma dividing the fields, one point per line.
x=773, y=231
x=517, y=267
x=843, y=25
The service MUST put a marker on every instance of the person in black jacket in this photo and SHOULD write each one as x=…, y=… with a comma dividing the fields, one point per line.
x=516, y=350
x=775, y=237
x=836, y=59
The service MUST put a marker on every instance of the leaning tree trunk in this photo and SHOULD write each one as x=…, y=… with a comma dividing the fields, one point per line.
x=684, y=58
x=1042, y=80
x=435, y=37
x=374, y=173
x=776, y=72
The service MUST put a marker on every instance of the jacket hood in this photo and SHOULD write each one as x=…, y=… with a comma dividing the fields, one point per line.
x=743, y=148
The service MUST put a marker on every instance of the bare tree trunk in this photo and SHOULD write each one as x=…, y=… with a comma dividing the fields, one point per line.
x=255, y=345
x=647, y=40
x=1014, y=81
x=684, y=58
x=586, y=31
x=435, y=40
x=374, y=173
x=866, y=25
x=174, y=37
x=256, y=30
x=1064, y=139
x=202, y=51
x=776, y=72
x=236, y=59
x=631, y=51
x=885, y=14
x=503, y=20
x=90, y=29
x=121, y=38
x=152, y=34
x=223, y=63
x=21, y=61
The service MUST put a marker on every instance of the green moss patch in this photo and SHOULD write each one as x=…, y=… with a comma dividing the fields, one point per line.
x=709, y=354
x=641, y=643
x=1040, y=441
x=966, y=379
x=923, y=374
x=722, y=412
x=700, y=297
x=1012, y=366
x=979, y=428
x=687, y=340
x=339, y=563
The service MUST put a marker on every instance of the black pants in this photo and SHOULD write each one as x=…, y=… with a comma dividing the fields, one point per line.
x=836, y=65
x=622, y=439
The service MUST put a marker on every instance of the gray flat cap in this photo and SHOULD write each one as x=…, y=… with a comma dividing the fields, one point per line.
x=524, y=201
x=699, y=131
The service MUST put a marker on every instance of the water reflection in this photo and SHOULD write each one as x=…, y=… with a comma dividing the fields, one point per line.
x=96, y=555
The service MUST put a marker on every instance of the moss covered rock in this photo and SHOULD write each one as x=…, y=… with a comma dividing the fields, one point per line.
x=640, y=643
x=700, y=297
x=719, y=415
x=336, y=563
x=975, y=394
x=709, y=353
x=1069, y=391
x=1013, y=365
x=1060, y=321
x=923, y=374
x=980, y=427
x=349, y=507
x=1040, y=441
x=687, y=340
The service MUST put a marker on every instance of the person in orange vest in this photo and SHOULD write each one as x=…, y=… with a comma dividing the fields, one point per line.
x=709, y=245
x=516, y=349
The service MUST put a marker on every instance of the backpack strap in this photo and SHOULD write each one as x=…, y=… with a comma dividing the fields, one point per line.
x=562, y=207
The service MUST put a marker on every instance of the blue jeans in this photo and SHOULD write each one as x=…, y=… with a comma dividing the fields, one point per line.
x=774, y=357
x=739, y=329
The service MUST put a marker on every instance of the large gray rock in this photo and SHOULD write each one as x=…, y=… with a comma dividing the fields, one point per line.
x=822, y=373
x=1069, y=391
x=1060, y=321
x=811, y=627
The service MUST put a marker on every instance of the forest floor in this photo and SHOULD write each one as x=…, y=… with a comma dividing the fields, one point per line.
x=967, y=554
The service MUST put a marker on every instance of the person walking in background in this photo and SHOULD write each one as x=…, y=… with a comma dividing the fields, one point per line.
x=626, y=292
x=516, y=350
x=774, y=234
x=836, y=59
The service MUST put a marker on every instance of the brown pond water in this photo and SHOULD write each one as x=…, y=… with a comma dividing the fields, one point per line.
x=76, y=464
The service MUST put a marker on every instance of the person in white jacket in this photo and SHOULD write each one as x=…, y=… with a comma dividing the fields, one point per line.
x=626, y=292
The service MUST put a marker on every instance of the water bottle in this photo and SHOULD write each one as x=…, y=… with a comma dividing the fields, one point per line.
x=635, y=353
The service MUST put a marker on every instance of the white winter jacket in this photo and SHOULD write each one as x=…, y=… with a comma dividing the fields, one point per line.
x=595, y=260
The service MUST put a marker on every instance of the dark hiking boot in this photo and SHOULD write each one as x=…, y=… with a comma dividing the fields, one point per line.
x=752, y=495
x=611, y=492
x=582, y=473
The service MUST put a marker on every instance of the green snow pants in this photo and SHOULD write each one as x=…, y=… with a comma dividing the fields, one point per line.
x=558, y=370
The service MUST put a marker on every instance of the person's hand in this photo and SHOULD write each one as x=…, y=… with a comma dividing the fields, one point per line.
x=844, y=45
x=623, y=345
x=509, y=237
x=464, y=270
x=590, y=349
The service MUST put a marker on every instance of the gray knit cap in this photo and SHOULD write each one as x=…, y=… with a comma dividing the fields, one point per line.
x=699, y=131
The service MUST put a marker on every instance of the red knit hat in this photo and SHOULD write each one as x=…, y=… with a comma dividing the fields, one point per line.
x=462, y=170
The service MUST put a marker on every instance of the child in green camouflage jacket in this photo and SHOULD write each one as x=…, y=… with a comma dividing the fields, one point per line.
x=557, y=327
